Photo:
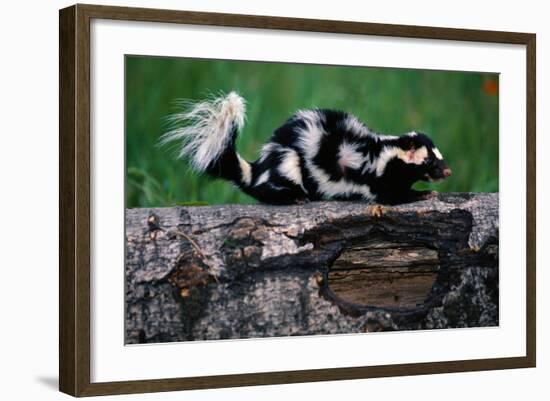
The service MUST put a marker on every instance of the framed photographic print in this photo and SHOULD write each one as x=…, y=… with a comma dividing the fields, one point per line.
x=251, y=200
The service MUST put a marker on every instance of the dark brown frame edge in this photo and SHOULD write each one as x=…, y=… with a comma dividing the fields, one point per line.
x=74, y=199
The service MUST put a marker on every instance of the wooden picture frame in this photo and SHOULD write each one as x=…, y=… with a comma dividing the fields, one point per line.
x=75, y=200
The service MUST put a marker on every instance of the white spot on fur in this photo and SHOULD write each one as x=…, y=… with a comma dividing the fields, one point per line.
x=412, y=133
x=417, y=156
x=310, y=136
x=383, y=137
x=207, y=128
x=349, y=156
x=246, y=170
x=290, y=166
x=342, y=187
x=267, y=149
x=384, y=157
x=263, y=178
x=437, y=153
x=309, y=141
x=353, y=125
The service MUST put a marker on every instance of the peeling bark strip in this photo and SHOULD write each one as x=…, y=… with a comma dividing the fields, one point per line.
x=216, y=272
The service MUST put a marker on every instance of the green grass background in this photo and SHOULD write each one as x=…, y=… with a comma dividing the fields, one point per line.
x=455, y=109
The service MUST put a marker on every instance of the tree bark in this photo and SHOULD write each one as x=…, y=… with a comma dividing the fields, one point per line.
x=236, y=271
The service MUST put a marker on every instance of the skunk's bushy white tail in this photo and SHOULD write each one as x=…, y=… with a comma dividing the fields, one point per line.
x=206, y=129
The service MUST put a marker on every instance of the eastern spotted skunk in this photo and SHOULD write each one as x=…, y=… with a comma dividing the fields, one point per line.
x=316, y=154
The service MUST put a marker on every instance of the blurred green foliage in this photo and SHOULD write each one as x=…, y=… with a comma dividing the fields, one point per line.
x=459, y=111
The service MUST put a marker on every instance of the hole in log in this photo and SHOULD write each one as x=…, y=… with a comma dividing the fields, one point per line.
x=384, y=273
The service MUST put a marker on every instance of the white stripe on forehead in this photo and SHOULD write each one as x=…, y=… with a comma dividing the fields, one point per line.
x=437, y=153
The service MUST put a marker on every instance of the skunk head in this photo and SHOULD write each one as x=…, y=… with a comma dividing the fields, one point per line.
x=422, y=160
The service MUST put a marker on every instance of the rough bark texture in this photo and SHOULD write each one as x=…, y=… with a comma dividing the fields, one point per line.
x=217, y=272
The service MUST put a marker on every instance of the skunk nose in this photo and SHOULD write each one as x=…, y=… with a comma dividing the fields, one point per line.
x=447, y=172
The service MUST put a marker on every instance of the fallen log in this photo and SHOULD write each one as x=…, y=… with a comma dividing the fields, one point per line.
x=242, y=271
